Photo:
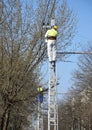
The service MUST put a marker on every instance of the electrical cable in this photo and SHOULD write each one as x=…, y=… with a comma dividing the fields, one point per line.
x=52, y=8
x=43, y=21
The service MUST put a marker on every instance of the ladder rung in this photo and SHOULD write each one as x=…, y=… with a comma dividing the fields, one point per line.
x=52, y=120
x=52, y=92
x=54, y=124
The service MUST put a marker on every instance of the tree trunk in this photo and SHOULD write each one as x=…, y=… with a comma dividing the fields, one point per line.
x=5, y=119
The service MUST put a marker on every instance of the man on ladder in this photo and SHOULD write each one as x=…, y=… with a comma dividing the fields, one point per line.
x=50, y=37
x=40, y=95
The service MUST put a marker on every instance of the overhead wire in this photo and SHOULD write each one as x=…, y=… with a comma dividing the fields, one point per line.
x=46, y=12
x=43, y=22
x=52, y=10
x=53, y=6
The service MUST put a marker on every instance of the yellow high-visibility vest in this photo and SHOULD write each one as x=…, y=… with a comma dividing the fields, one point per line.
x=52, y=32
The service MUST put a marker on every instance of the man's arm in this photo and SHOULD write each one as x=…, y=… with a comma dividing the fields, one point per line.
x=46, y=35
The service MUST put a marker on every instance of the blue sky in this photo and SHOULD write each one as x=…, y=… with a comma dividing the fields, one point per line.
x=83, y=11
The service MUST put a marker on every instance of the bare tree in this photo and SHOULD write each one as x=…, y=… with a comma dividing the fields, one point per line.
x=22, y=49
x=83, y=81
x=75, y=112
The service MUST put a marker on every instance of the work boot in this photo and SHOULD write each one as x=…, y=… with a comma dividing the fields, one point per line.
x=50, y=62
x=53, y=63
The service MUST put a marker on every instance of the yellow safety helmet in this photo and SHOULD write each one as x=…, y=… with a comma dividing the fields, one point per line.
x=55, y=27
x=40, y=89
